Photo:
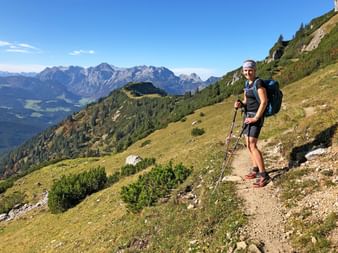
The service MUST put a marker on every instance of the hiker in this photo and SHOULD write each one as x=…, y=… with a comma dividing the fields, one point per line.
x=253, y=122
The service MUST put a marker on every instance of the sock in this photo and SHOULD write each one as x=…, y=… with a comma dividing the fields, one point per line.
x=264, y=174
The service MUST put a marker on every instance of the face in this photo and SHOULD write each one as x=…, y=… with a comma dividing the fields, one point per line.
x=249, y=73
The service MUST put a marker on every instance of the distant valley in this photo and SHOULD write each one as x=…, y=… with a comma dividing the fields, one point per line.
x=30, y=102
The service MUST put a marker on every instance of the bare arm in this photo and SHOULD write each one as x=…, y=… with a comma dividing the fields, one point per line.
x=239, y=104
x=263, y=103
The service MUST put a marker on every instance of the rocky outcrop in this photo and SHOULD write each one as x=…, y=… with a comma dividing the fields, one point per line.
x=320, y=33
x=20, y=210
x=235, y=77
x=317, y=37
x=277, y=51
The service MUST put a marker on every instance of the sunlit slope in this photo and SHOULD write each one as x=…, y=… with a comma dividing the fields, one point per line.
x=90, y=223
x=101, y=222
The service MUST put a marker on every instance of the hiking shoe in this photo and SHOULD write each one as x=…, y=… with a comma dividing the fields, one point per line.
x=262, y=181
x=252, y=175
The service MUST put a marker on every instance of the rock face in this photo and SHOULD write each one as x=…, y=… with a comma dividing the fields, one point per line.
x=317, y=37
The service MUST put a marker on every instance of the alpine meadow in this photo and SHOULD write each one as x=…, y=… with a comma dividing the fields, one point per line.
x=69, y=189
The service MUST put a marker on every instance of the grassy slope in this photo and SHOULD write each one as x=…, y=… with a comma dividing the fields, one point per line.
x=318, y=92
x=101, y=221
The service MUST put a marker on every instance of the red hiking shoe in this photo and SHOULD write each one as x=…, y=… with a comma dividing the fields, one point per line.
x=262, y=181
x=252, y=174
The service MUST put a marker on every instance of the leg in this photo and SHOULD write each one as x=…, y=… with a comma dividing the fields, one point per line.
x=255, y=153
x=264, y=178
x=254, y=164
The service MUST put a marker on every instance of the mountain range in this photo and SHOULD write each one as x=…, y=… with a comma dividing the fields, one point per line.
x=99, y=81
x=31, y=102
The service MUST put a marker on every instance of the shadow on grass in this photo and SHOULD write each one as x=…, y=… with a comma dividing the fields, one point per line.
x=297, y=155
x=322, y=140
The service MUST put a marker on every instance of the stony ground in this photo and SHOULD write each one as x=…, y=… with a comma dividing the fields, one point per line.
x=269, y=216
x=266, y=218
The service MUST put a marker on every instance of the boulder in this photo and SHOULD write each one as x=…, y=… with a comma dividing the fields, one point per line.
x=3, y=216
x=314, y=153
x=133, y=159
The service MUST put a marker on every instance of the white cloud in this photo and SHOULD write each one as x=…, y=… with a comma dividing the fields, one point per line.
x=80, y=52
x=22, y=68
x=17, y=50
x=4, y=43
x=13, y=47
x=204, y=73
x=26, y=46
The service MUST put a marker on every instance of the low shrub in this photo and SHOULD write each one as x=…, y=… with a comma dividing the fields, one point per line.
x=153, y=185
x=71, y=190
x=112, y=179
x=5, y=184
x=8, y=202
x=129, y=169
x=197, y=131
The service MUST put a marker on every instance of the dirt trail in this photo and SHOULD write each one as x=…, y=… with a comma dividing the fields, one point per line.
x=263, y=208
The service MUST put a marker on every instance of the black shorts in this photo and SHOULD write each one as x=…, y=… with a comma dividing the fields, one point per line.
x=253, y=130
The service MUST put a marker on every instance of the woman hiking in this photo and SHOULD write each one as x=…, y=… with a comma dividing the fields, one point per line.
x=254, y=119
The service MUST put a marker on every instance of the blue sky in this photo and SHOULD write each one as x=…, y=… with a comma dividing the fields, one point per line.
x=209, y=37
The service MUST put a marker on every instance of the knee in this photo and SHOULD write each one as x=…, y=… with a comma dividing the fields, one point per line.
x=252, y=146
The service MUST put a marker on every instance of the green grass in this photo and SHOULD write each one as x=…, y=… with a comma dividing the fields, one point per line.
x=102, y=223
x=171, y=227
x=313, y=236
x=294, y=189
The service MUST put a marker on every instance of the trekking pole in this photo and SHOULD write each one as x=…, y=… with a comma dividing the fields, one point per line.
x=227, y=159
x=227, y=144
x=227, y=140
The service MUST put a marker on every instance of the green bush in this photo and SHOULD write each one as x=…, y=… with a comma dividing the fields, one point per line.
x=4, y=185
x=8, y=202
x=153, y=185
x=129, y=169
x=112, y=179
x=197, y=131
x=71, y=190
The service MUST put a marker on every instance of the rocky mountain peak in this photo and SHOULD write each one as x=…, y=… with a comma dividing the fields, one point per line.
x=192, y=77
x=103, y=67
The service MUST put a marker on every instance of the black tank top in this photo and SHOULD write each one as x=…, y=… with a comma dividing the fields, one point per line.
x=252, y=104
